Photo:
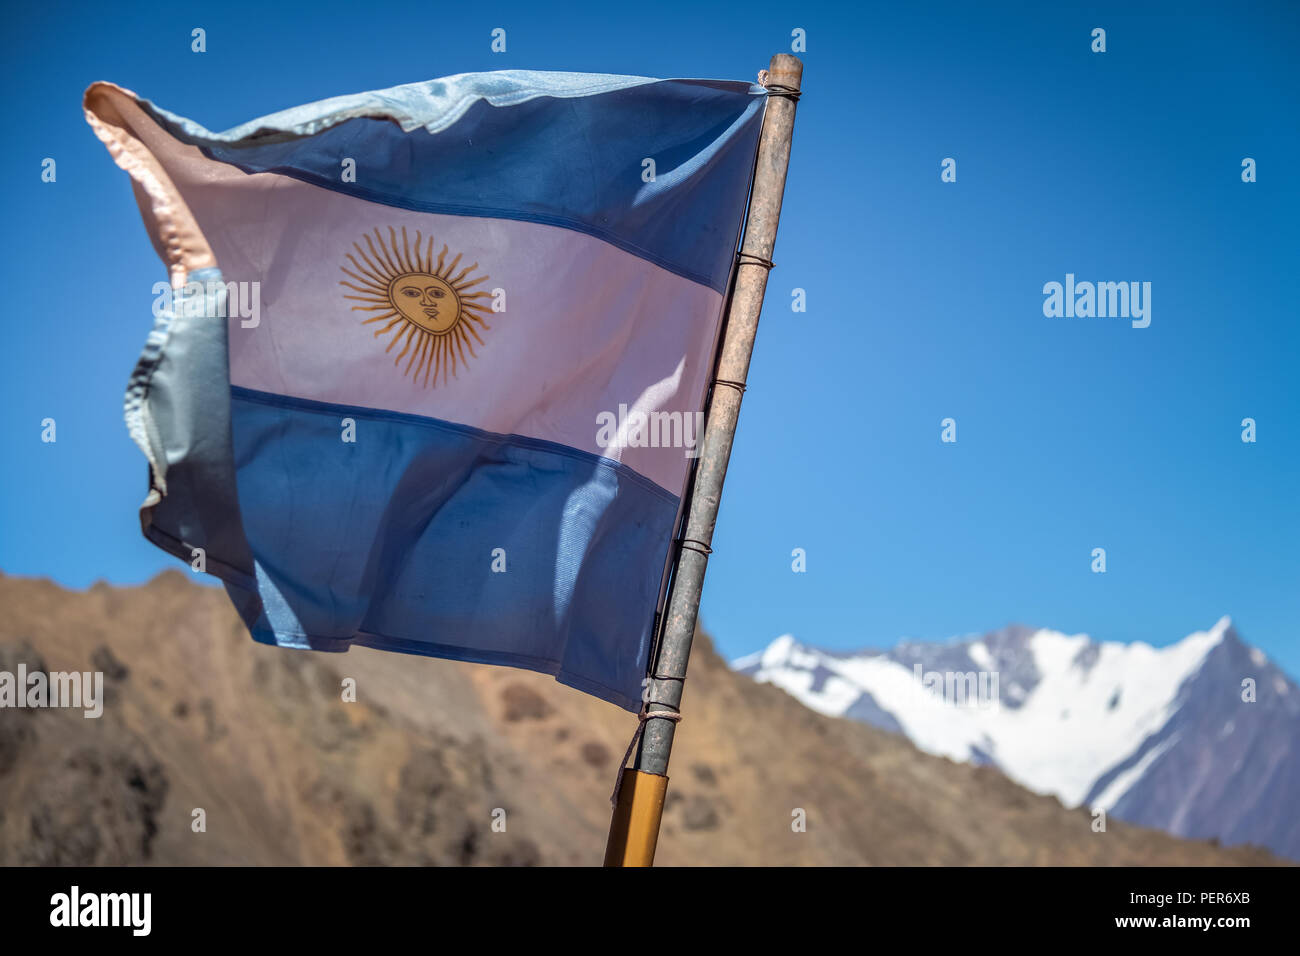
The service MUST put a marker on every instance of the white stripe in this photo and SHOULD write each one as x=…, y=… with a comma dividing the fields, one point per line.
x=587, y=327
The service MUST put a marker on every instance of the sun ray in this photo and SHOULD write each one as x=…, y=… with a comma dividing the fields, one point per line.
x=408, y=332
x=362, y=275
x=395, y=321
x=382, y=253
x=444, y=360
x=416, y=260
x=368, y=290
x=357, y=288
x=411, y=337
x=396, y=250
x=419, y=347
x=367, y=269
x=424, y=357
x=460, y=347
x=465, y=346
x=455, y=283
x=373, y=266
x=433, y=364
x=380, y=262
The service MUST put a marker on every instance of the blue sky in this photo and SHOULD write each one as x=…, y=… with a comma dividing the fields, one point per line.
x=924, y=298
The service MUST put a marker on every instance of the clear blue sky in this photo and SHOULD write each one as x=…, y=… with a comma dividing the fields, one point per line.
x=924, y=298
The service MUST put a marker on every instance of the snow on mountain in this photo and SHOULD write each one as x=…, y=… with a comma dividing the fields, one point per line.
x=1157, y=736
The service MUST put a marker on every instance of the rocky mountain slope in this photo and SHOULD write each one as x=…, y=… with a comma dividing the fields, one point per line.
x=201, y=724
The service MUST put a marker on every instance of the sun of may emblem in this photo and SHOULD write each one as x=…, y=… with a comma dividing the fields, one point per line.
x=424, y=305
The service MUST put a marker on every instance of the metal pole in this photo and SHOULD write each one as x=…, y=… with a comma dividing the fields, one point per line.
x=634, y=830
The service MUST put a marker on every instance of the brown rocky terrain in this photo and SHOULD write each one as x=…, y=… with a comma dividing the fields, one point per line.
x=197, y=716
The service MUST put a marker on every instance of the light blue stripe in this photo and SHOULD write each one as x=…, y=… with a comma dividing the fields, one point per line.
x=561, y=149
x=388, y=542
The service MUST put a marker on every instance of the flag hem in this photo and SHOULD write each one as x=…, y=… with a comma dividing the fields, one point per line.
x=450, y=652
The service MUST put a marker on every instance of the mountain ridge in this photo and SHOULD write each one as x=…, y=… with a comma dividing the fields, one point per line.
x=1143, y=732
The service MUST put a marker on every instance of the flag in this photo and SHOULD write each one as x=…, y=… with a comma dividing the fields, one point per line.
x=430, y=362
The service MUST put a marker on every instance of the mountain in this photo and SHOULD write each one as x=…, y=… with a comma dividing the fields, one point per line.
x=201, y=725
x=1160, y=737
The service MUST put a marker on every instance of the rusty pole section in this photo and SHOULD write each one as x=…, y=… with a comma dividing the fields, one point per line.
x=635, y=828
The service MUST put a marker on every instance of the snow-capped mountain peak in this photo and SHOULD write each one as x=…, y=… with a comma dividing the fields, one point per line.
x=1087, y=721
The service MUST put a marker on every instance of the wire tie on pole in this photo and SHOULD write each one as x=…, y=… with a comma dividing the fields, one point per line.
x=694, y=544
x=749, y=259
x=780, y=89
x=738, y=386
x=646, y=714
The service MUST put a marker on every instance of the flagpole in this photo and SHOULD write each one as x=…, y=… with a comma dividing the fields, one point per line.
x=634, y=829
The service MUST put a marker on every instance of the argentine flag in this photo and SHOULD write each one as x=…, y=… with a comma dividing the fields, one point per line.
x=430, y=361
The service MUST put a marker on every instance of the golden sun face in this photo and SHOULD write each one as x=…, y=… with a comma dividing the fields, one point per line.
x=424, y=305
